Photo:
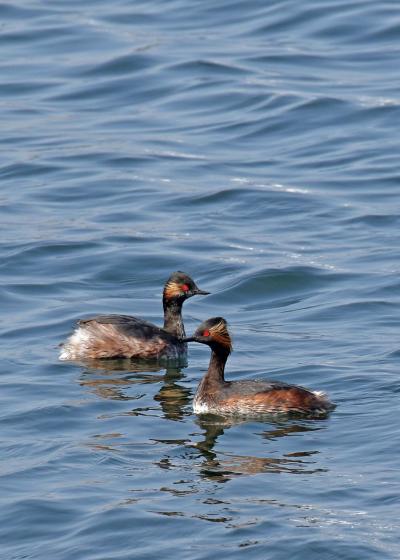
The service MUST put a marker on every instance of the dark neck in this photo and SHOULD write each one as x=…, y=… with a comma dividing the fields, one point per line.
x=173, y=322
x=216, y=367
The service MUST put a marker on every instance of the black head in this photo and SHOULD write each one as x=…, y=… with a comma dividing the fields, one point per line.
x=180, y=287
x=213, y=332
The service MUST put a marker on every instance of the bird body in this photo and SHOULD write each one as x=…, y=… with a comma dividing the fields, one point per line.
x=248, y=397
x=125, y=336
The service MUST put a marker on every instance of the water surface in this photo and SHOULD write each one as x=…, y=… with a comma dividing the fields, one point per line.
x=255, y=146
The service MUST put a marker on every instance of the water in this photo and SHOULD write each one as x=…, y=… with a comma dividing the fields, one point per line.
x=255, y=146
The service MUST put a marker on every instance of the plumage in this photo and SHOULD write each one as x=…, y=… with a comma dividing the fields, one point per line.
x=250, y=398
x=117, y=336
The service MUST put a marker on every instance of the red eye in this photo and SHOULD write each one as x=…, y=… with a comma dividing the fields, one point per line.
x=185, y=288
x=206, y=333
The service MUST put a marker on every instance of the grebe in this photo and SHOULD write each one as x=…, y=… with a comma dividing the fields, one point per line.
x=123, y=336
x=250, y=398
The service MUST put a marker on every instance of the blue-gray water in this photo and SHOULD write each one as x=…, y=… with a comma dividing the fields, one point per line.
x=254, y=145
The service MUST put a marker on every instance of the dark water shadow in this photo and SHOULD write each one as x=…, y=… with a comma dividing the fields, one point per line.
x=223, y=466
x=111, y=379
x=114, y=379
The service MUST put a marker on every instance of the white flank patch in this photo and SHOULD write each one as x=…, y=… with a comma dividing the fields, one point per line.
x=200, y=407
x=72, y=349
x=63, y=355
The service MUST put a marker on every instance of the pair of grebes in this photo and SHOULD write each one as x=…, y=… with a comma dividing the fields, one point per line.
x=124, y=336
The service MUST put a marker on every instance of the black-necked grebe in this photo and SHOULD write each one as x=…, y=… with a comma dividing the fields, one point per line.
x=250, y=398
x=123, y=336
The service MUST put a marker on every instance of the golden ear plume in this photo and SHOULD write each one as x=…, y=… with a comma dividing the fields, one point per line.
x=220, y=334
x=172, y=289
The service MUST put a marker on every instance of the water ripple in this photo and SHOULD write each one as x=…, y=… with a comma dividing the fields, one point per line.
x=255, y=146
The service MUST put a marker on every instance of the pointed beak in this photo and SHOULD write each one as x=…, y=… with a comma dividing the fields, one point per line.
x=198, y=292
x=188, y=339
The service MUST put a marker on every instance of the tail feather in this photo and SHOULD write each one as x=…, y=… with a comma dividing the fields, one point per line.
x=323, y=400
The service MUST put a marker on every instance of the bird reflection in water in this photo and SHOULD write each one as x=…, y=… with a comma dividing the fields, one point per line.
x=221, y=467
x=112, y=379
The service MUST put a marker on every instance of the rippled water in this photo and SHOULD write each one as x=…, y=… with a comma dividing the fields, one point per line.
x=254, y=145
